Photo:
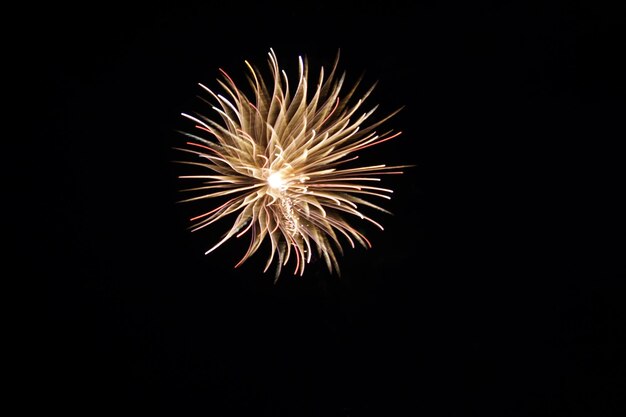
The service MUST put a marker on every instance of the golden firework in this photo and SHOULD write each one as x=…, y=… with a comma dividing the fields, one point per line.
x=283, y=162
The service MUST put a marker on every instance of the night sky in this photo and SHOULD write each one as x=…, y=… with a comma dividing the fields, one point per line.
x=496, y=289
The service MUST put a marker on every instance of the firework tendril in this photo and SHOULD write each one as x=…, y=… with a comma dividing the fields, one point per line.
x=282, y=162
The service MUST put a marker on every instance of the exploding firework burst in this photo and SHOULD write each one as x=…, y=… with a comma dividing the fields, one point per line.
x=283, y=162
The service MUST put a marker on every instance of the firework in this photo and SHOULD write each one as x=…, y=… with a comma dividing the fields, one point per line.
x=281, y=161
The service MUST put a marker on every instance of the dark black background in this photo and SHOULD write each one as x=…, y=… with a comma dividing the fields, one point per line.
x=496, y=288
